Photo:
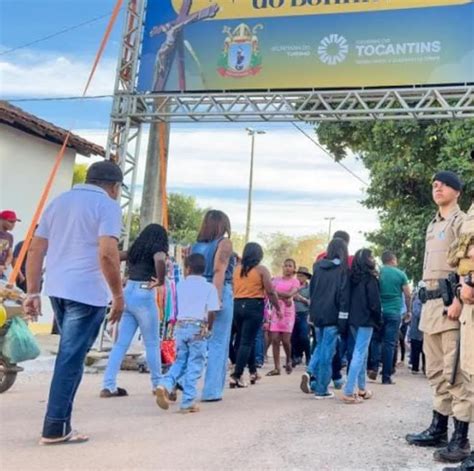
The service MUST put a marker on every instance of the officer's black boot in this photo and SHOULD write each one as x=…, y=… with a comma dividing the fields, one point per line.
x=458, y=447
x=466, y=465
x=435, y=435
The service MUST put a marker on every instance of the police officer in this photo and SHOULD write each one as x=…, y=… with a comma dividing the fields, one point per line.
x=462, y=256
x=440, y=326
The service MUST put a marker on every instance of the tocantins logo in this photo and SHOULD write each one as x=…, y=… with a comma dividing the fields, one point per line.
x=333, y=49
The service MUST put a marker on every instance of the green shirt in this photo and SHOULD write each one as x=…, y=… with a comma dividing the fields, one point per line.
x=392, y=281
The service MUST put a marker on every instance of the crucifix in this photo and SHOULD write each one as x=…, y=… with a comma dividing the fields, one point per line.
x=174, y=42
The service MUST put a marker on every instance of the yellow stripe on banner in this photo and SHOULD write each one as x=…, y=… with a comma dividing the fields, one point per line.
x=234, y=9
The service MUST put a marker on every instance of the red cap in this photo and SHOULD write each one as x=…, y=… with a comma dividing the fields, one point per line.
x=9, y=216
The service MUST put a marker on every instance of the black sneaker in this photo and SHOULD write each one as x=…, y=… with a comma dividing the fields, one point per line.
x=388, y=381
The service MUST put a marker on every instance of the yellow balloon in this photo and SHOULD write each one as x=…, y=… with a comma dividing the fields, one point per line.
x=3, y=315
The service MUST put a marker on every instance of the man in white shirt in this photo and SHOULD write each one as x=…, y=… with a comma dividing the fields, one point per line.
x=78, y=234
x=197, y=302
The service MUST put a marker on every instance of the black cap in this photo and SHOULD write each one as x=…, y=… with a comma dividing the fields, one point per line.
x=105, y=171
x=449, y=178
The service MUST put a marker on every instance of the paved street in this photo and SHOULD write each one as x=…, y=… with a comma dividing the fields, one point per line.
x=269, y=426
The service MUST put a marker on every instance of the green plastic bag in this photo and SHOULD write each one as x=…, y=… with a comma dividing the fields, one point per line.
x=20, y=344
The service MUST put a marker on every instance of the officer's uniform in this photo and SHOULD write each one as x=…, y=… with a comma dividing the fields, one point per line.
x=458, y=258
x=441, y=334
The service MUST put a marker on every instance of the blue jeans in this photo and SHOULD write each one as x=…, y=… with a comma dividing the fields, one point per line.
x=382, y=348
x=356, y=375
x=320, y=365
x=79, y=326
x=218, y=348
x=389, y=341
x=260, y=347
x=300, y=338
x=141, y=312
x=189, y=364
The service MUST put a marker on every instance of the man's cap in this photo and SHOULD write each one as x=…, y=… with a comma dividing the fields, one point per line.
x=449, y=178
x=9, y=215
x=104, y=171
x=304, y=271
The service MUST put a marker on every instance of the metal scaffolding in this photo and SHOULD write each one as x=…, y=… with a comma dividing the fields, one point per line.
x=132, y=110
x=124, y=137
x=444, y=102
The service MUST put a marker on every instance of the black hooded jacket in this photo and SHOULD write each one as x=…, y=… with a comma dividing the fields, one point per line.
x=329, y=293
x=365, y=307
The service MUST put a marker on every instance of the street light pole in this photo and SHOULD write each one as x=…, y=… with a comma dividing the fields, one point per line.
x=251, y=133
x=330, y=219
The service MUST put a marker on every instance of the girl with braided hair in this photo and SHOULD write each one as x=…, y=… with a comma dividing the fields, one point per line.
x=146, y=263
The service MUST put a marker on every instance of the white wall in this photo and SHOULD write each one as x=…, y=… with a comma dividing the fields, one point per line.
x=25, y=164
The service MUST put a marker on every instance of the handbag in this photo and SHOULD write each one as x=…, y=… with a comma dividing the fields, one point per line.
x=168, y=351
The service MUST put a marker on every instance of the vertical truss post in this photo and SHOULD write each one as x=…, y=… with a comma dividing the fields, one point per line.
x=124, y=137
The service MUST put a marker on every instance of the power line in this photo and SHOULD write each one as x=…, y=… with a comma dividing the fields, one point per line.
x=317, y=144
x=53, y=35
x=59, y=98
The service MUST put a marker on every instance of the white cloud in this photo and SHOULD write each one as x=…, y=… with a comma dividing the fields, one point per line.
x=40, y=74
x=217, y=160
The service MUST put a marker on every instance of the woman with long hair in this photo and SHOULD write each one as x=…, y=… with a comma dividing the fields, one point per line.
x=282, y=323
x=251, y=282
x=365, y=315
x=213, y=242
x=146, y=263
x=329, y=311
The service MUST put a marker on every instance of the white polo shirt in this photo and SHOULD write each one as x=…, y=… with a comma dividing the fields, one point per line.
x=196, y=297
x=72, y=224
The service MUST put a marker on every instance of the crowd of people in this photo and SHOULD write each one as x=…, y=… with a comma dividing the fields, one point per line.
x=346, y=315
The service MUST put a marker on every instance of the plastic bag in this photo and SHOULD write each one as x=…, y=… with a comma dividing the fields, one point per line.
x=168, y=351
x=20, y=344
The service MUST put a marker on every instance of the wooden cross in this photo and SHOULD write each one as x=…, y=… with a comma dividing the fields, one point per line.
x=174, y=42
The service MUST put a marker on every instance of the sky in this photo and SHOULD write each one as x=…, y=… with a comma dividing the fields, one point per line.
x=296, y=184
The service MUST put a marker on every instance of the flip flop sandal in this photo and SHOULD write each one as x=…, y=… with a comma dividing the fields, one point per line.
x=274, y=372
x=351, y=399
x=366, y=395
x=288, y=369
x=72, y=438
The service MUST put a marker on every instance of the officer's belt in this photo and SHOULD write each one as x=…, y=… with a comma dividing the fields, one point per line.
x=433, y=294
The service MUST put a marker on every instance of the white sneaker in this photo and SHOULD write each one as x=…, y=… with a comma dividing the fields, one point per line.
x=305, y=384
x=328, y=395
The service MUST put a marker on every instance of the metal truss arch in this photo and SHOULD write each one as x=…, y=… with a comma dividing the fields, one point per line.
x=420, y=103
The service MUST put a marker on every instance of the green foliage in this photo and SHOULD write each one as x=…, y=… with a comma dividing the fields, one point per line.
x=303, y=250
x=185, y=218
x=402, y=158
x=79, y=175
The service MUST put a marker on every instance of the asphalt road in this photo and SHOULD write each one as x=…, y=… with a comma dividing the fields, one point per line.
x=270, y=426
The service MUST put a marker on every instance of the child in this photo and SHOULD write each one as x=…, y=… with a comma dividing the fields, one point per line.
x=197, y=302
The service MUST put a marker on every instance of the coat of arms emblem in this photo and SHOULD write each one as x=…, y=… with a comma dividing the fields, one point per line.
x=241, y=55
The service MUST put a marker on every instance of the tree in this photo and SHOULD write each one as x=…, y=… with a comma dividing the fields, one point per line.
x=303, y=250
x=185, y=217
x=238, y=243
x=79, y=175
x=278, y=247
x=402, y=158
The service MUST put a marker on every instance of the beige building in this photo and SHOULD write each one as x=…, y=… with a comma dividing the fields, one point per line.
x=28, y=147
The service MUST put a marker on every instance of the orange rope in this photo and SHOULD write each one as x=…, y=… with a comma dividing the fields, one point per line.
x=59, y=157
x=163, y=174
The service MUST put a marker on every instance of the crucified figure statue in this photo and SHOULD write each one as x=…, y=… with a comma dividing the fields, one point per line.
x=174, y=37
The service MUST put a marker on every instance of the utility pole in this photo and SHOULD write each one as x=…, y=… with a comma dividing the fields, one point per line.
x=330, y=219
x=251, y=133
